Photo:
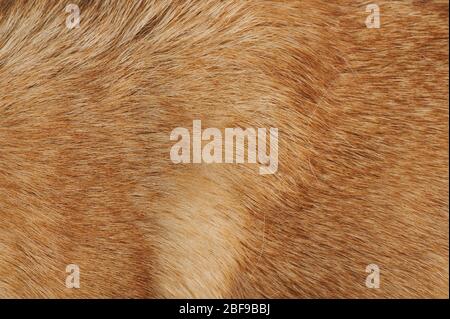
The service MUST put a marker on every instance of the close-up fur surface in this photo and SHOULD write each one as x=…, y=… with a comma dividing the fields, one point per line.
x=86, y=177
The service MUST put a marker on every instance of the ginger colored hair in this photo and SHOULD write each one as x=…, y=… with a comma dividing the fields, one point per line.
x=86, y=178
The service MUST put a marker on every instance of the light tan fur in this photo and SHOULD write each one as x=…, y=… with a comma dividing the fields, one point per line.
x=86, y=177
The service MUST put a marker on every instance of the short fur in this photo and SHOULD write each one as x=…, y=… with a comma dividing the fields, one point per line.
x=86, y=178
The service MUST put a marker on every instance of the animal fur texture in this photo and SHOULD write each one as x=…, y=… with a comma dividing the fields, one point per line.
x=86, y=178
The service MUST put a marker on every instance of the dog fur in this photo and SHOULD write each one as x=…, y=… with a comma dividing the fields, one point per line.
x=86, y=177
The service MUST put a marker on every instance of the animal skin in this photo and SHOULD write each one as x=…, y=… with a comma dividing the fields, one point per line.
x=86, y=177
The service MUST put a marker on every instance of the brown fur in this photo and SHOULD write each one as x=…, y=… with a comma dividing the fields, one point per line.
x=86, y=178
